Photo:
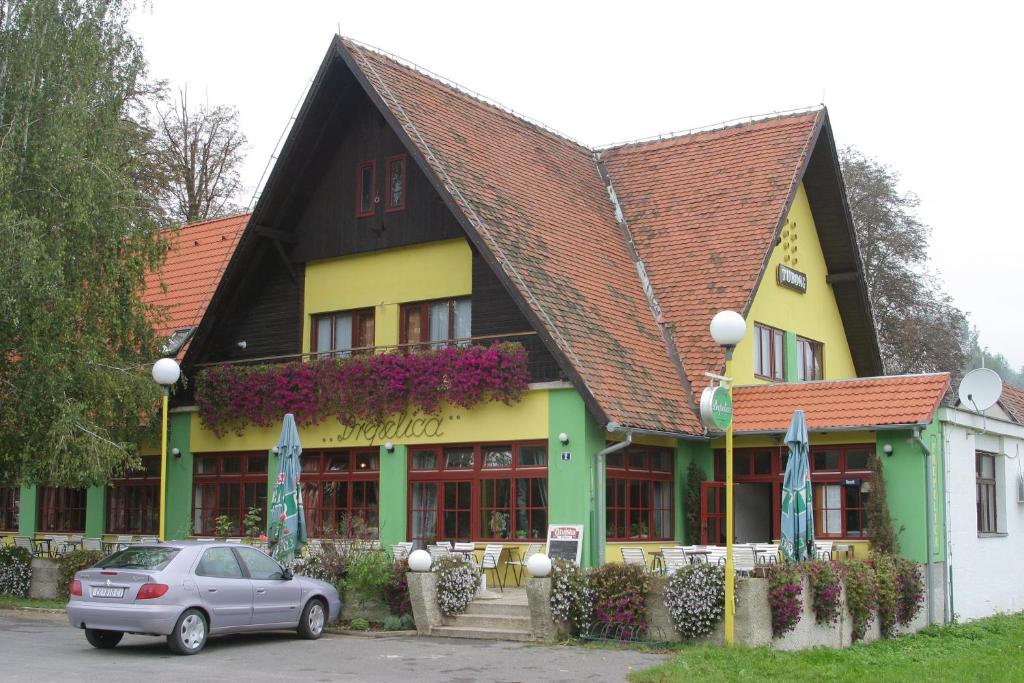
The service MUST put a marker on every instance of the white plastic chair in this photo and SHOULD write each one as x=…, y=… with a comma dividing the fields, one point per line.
x=743, y=559
x=634, y=555
x=823, y=550
x=400, y=551
x=92, y=544
x=437, y=552
x=491, y=560
x=233, y=541
x=767, y=553
x=673, y=559
x=531, y=550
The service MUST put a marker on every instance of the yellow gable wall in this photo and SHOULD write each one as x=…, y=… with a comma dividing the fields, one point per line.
x=813, y=314
x=384, y=280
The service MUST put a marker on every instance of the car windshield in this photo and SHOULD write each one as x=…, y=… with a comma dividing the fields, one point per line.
x=136, y=557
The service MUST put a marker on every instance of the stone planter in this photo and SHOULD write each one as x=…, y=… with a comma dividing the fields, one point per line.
x=45, y=575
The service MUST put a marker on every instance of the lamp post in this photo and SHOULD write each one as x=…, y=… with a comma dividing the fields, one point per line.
x=728, y=329
x=166, y=373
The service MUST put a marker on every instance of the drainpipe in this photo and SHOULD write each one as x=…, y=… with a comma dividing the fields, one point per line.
x=929, y=522
x=600, y=514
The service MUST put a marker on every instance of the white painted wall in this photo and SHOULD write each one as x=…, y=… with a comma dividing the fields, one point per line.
x=985, y=570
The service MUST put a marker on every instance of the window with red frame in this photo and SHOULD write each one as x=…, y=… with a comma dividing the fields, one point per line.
x=336, y=334
x=638, y=490
x=395, y=168
x=436, y=322
x=10, y=497
x=809, y=360
x=985, y=480
x=61, y=509
x=366, y=189
x=133, y=501
x=769, y=353
x=227, y=485
x=337, y=484
x=478, y=492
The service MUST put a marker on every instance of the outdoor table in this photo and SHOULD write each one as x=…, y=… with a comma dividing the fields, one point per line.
x=42, y=545
x=758, y=552
x=703, y=553
x=657, y=562
x=112, y=546
x=511, y=560
x=846, y=549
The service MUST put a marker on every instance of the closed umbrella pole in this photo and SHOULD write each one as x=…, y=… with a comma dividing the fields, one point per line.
x=286, y=528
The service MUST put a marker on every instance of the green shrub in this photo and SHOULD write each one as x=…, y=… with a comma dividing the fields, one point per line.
x=910, y=585
x=859, y=580
x=72, y=562
x=620, y=599
x=392, y=623
x=396, y=591
x=15, y=571
x=327, y=564
x=369, y=574
x=359, y=624
x=408, y=622
x=887, y=593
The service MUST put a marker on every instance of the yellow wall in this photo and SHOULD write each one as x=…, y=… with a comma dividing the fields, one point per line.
x=812, y=314
x=827, y=439
x=486, y=423
x=386, y=279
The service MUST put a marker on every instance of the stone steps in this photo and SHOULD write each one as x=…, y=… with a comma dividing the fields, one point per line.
x=494, y=607
x=481, y=634
x=504, y=616
x=490, y=621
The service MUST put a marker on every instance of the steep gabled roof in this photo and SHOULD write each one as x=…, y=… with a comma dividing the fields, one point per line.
x=535, y=206
x=1012, y=401
x=198, y=255
x=866, y=403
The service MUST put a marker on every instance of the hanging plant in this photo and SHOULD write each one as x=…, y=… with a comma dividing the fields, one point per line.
x=695, y=598
x=457, y=582
x=910, y=589
x=826, y=590
x=785, y=587
x=620, y=600
x=572, y=600
x=859, y=580
x=886, y=593
x=364, y=388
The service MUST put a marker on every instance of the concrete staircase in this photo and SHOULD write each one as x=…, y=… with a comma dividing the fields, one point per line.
x=506, y=617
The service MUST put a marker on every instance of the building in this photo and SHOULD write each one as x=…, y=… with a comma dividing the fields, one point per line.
x=405, y=216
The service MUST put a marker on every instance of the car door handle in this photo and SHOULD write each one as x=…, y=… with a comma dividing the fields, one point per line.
x=211, y=590
x=261, y=591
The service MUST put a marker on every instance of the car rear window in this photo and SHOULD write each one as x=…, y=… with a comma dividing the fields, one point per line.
x=137, y=557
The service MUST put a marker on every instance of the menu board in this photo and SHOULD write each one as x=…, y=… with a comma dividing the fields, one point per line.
x=565, y=542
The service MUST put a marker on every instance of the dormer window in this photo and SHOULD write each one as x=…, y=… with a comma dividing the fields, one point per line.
x=366, y=182
x=395, y=169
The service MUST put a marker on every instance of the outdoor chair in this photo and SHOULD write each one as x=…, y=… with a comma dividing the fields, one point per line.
x=400, y=551
x=198, y=540
x=743, y=558
x=531, y=550
x=767, y=553
x=125, y=541
x=149, y=539
x=92, y=544
x=673, y=559
x=634, y=555
x=234, y=541
x=715, y=554
x=437, y=552
x=491, y=560
x=823, y=550
x=468, y=550
x=314, y=546
x=26, y=543
x=58, y=544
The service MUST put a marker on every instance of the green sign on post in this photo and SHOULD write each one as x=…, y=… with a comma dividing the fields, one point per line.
x=716, y=408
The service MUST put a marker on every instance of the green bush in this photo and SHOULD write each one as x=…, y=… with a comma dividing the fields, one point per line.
x=408, y=622
x=369, y=574
x=327, y=564
x=359, y=624
x=396, y=592
x=620, y=599
x=392, y=623
x=72, y=562
x=15, y=571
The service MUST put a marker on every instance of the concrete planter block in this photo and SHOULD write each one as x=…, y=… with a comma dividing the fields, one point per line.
x=423, y=595
x=542, y=623
x=45, y=575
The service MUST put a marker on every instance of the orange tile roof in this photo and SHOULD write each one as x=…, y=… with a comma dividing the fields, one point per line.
x=703, y=210
x=840, y=404
x=1012, y=401
x=195, y=262
x=539, y=207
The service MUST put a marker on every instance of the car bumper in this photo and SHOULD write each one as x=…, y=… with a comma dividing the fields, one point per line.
x=134, y=618
x=333, y=609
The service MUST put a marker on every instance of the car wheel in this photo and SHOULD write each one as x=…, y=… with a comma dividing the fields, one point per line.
x=189, y=635
x=313, y=620
x=103, y=640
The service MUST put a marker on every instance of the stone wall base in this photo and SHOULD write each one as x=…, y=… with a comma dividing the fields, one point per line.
x=45, y=575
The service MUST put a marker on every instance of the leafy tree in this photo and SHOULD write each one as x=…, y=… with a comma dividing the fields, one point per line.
x=981, y=357
x=919, y=327
x=77, y=237
x=201, y=152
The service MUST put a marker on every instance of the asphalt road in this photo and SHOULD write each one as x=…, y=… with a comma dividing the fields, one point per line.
x=43, y=647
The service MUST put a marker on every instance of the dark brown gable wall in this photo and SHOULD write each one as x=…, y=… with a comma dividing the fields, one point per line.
x=326, y=225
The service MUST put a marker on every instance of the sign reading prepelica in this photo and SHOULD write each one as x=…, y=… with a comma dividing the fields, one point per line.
x=408, y=425
x=716, y=408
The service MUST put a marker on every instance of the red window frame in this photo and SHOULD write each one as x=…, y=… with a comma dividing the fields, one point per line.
x=807, y=352
x=988, y=521
x=745, y=471
x=388, y=203
x=361, y=338
x=362, y=211
x=423, y=307
x=452, y=511
x=776, y=339
x=61, y=509
x=631, y=510
x=249, y=483
x=133, y=501
x=359, y=478
x=10, y=503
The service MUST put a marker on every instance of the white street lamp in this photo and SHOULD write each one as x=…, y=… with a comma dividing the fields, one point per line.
x=165, y=373
x=728, y=329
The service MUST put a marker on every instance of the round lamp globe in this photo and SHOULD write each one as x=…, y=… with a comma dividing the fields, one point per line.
x=419, y=561
x=728, y=328
x=166, y=372
x=539, y=565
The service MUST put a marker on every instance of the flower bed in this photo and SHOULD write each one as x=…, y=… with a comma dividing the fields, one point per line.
x=363, y=388
x=15, y=571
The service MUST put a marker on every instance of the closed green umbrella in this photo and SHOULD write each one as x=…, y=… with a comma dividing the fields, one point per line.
x=797, y=497
x=287, y=528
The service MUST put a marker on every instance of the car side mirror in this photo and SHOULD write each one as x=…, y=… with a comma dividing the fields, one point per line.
x=287, y=574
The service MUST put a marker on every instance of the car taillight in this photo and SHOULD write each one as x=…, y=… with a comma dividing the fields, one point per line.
x=148, y=591
x=76, y=587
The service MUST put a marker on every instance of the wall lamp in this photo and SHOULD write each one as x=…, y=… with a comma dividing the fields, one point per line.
x=176, y=452
x=887, y=449
x=564, y=438
x=389, y=447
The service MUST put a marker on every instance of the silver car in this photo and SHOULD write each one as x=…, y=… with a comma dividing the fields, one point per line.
x=188, y=591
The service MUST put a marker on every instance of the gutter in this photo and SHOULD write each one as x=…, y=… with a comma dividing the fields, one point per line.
x=616, y=428
x=600, y=517
x=828, y=430
x=929, y=522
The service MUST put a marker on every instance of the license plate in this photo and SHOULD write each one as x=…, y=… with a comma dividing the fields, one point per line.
x=104, y=592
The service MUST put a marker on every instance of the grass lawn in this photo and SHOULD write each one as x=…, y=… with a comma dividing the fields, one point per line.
x=8, y=602
x=984, y=650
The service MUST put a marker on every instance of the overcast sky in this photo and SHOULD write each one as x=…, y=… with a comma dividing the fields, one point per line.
x=934, y=93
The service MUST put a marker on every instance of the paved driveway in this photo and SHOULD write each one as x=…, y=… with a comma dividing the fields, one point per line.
x=42, y=647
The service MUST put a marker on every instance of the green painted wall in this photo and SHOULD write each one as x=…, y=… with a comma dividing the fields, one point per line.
x=789, y=348
x=394, y=475
x=571, y=482
x=687, y=452
x=95, y=511
x=28, y=508
x=179, y=476
x=904, y=473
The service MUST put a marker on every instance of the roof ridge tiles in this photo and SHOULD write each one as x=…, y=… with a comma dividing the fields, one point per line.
x=782, y=385
x=469, y=92
x=207, y=221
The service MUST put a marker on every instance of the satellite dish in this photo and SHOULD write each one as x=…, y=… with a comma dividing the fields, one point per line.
x=980, y=389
